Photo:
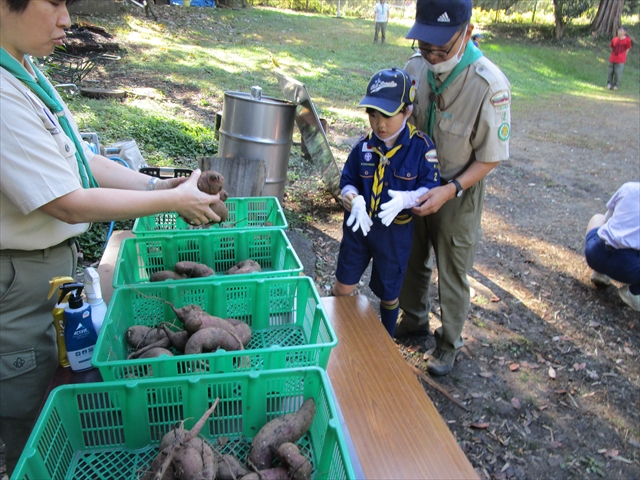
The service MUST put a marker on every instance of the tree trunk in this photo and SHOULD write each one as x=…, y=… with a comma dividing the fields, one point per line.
x=608, y=18
x=559, y=16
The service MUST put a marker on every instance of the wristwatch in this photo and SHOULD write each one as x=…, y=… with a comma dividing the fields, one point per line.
x=459, y=190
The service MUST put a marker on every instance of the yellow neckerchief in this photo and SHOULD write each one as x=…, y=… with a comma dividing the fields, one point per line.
x=377, y=177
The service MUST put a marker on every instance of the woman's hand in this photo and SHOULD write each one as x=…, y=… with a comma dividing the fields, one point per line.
x=195, y=206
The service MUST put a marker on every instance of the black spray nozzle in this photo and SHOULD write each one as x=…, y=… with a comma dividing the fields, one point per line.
x=75, y=289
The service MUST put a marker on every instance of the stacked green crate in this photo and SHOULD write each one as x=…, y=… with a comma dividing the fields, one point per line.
x=113, y=429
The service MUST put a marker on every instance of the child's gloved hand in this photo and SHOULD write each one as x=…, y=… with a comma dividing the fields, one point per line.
x=359, y=216
x=390, y=209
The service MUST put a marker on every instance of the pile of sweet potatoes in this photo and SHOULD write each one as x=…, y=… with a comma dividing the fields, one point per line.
x=273, y=456
x=202, y=333
x=183, y=270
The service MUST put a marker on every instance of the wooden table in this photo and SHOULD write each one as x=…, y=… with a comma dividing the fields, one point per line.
x=393, y=429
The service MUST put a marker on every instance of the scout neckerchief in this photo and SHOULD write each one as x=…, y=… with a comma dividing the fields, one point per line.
x=376, y=190
x=471, y=54
x=44, y=91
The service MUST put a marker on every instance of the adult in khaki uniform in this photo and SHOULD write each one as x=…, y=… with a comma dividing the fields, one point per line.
x=463, y=104
x=47, y=198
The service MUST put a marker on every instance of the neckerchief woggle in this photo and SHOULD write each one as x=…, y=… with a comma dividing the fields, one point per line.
x=471, y=54
x=44, y=91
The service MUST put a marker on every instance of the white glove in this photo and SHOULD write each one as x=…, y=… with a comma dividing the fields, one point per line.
x=389, y=210
x=359, y=216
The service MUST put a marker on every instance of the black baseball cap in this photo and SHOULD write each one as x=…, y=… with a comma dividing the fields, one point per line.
x=437, y=21
x=388, y=91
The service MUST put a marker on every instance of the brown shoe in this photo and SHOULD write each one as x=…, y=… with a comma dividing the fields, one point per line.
x=441, y=361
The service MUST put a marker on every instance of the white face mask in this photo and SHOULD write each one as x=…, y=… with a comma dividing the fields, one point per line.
x=391, y=138
x=447, y=65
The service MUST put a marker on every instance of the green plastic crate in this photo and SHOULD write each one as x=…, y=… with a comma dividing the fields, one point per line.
x=290, y=327
x=244, y=213
x=113, y=429
x=140, y=257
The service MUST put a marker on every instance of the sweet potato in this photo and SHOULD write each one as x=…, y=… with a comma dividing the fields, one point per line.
x=162, y=343
x=177, y=339
x=156, y=352
x=195, y=318
x=229, y=468
x=245, y=266
x=187, y=463
x=220, y=209
x=193, y=269
x=211, y=182
x=172, y=443
x=276, y=473
x=139, y=336
x=162, y=275
x=298, y=465
x=210, y=340
x=242, y=329
x=287, y=428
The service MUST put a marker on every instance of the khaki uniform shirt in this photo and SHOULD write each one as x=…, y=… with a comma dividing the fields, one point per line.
x=475, y=120
x=37, y=165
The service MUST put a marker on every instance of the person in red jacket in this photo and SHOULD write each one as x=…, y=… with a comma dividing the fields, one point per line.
x=620, y=45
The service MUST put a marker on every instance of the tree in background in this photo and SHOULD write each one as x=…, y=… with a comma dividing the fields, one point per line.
x=565, y=10
x=608, y=18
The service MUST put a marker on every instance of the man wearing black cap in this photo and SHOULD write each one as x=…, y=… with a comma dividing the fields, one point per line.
x=463, y=104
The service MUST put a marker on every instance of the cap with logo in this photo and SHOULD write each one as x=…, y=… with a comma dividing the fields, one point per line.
x=388, y=91
x=437, y=21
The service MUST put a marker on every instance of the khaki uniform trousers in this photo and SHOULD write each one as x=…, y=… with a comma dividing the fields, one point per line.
x=28, y=350
x=453, y=232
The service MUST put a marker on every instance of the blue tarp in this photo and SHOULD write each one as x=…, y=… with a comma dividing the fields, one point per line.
x=196, y=3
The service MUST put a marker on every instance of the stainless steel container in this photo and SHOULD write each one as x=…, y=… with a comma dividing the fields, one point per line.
x=258, y=127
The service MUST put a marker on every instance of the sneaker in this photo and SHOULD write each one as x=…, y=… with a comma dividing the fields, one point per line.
x=629, y=298
x=608, y=86
x=600, y=279
x=403, y=332
x=441, y=361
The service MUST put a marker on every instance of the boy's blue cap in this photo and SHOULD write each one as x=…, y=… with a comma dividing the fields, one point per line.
x=437, y=21
x=388, y=91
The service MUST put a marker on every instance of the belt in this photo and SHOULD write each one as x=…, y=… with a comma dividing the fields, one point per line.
x=43, y=251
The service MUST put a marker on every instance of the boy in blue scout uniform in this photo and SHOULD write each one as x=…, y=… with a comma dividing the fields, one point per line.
x=386, y=172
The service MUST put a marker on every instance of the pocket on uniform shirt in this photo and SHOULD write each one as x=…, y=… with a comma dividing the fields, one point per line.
x=405, y=174
x=14, y=364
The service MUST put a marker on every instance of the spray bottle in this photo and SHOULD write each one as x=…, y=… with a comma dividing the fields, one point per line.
x=79, y=336
x=94, y=297
x=58, y=317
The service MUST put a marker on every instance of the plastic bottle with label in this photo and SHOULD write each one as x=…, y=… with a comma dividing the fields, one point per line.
x=58, y=316
x=94, y=298
x=79, y=335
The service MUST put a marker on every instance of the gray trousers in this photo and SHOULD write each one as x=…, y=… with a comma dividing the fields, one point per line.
x=28, y=350
x=453, y=232
x=615, y=74
x=381, y=28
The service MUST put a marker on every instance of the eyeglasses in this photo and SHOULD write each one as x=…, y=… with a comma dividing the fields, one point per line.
x=437, y=53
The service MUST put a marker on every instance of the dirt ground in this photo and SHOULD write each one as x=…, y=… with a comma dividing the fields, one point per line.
x=549, y=373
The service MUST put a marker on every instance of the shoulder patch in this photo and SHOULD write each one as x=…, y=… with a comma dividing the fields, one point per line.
x=501, y=98
x=431, y=156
